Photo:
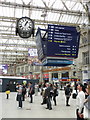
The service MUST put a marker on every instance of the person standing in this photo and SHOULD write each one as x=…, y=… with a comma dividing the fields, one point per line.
x=67, y=94
x=36, y=89
x=87, y=105
x=23, y=92
x=31, y=91
x=7, y=91
x=55, y=93
x=47, y=95
x=19, y=96
x=42, y=94
x=80, y=102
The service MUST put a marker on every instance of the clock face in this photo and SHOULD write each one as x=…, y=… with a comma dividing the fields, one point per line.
x=25, y=27
x=25, y=24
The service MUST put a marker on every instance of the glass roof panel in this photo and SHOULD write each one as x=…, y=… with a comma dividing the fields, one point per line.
x=42, y=11
x=58, y=5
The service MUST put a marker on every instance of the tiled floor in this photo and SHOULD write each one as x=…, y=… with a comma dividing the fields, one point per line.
x=36, y=110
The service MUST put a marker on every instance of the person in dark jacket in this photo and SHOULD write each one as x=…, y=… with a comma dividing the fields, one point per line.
x=7, y=89
x=48, y=96
x=67, y=94
x=55, y=93
x=42, y=94
x=23, y=92
x=31, y=91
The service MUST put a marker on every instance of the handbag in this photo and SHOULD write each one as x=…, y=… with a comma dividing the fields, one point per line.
x=57, y=93
x=8, y=92
x=87, y=105
x=19, y=97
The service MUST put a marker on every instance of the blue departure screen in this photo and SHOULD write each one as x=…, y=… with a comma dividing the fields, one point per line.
x=39, y=44
x=62, y=41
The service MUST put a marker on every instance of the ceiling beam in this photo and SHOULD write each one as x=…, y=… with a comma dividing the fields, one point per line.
x=41, y=21
x=10, y=4
x=17, y=45
x=14, y=51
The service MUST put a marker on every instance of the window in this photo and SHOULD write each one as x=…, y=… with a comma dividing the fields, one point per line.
x=22, y=69
x=65, y=74
x=86, y=58
x=74, y=73
x=37, y=68
x=18, y=70
x=54, y=75
x=26, y=68
x=84, y=40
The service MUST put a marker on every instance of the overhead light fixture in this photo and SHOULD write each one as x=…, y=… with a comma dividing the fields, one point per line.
x=44, y=15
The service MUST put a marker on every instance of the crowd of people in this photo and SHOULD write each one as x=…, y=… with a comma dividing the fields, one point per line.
x=50, y=92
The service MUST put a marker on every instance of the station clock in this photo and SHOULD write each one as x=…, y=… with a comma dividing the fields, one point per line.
x=25, y=27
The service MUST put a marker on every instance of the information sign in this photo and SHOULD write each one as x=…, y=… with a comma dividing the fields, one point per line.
x=62, y=41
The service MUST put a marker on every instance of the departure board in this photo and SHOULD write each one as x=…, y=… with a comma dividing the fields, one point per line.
x=39, y=44
x=62, y=41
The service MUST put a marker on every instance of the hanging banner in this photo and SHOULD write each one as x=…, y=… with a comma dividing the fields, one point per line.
x=3, y=69
x=33, y=57
x=0, y=81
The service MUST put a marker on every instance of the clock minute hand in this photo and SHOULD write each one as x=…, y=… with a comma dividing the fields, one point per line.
x=25, y=23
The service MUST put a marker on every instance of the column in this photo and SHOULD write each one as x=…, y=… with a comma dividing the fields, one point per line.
x=59, y=75
x=88, y=4
x=41, y=74
x=50, y=77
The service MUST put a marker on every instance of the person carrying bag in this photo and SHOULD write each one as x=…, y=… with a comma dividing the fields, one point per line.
x=7, y=91
x=19, y=96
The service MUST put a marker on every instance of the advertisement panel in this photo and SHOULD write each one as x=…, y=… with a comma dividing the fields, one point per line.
x=33, y=56
x=32, y=52
x=3, y=69
x=0, y=81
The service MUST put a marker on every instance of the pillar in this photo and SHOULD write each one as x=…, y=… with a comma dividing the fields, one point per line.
x=41, y=74
x=50, y=77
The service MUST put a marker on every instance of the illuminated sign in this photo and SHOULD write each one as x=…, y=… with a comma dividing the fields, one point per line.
x=62, y=41
x=56, y=62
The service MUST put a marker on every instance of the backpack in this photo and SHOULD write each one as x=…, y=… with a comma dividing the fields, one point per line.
x=33, y=91
x=67, y=91
x=57, y=93
x=87, y=104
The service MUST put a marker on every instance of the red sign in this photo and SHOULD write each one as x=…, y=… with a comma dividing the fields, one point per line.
x=45, y=75
x=69, y=80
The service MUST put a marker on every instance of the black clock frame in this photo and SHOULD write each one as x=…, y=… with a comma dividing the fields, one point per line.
x=25, y=33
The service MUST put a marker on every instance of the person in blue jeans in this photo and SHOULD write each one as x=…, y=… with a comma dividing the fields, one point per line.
x=19, y=96
x=31, y=91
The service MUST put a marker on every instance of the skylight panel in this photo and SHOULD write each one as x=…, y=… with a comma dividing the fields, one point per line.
x=38, y=3
x=21, y=12
x=36, y=15
x=58, y=5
